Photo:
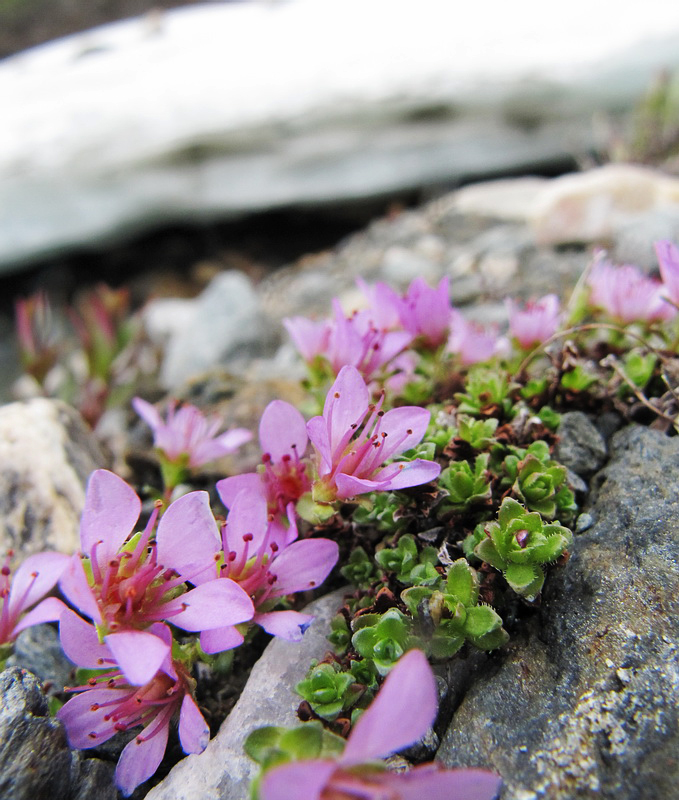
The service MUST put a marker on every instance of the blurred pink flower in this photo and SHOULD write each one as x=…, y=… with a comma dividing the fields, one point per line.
x=36, y=576
x=626, y=294
x=425, y=312
x=668, y=261
x=535, y=322
x=125, y=588
x=353, y=439
x=188, y=434
x=354, y=340
x=470, y=342
x=400, y=715
x=109, y=704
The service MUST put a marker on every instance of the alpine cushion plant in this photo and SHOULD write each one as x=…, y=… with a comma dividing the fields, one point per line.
x=401, y=713
x=282, y=477
x=187, y=438
x=120, y=584
x=261, y=556
x=353, y=439
x=109, y=703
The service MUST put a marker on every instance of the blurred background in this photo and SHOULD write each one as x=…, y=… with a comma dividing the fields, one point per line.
x=155, y=144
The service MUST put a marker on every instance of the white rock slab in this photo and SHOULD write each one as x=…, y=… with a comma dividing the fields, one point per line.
x=228, y=108
x=223, y=771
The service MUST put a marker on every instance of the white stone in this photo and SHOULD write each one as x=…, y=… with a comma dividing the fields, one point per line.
x=227, y=108
x=46, y=455
x=595, y=205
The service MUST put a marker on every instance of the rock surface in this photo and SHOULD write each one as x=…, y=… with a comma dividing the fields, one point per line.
x=47, y=454
x=214, y=109
x=585, y=701
x=35, y=760
x=223, y=771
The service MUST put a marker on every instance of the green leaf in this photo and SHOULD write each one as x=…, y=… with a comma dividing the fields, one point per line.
x=480, y=621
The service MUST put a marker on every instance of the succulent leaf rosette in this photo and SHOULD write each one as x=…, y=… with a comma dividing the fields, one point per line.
x=519, y=543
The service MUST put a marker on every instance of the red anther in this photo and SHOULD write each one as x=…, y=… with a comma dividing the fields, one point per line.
x=248, y=537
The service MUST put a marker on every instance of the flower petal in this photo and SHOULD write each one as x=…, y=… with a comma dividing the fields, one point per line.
x=141, y=758
x=414, y=473
x=111, y=511
x=443, y=784
x=404, y=427
x=194, y=733
x=139, y=654
x=300, y=779
x=34, y=578
x=50, y=610
x=304, y=564
x=148, y=413
x=346, y=404
x=73, y=583
x=229, y=488
x=217, y=640
x=188, y=538
x=215, y=604
x=289, y=625
x=84, y=717
x=80, y=642
x=400, y=714
x=282, y=430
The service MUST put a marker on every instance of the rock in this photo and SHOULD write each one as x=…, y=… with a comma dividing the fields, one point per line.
x=581, y=446
x=596, y=205
x=584, y=700
x=38, y=650
x=47, y=454
x=223, y=770
x=225, y=324
x=213, y=109
x=35, y=760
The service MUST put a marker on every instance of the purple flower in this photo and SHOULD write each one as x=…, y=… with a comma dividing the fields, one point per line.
x=470, y=342
x=354, y=340
x=353, y=438
x=626, y=294
x=36, y=576
x=425, y=312
x=536, y=322
x=668, y=261
x=188, y=435
x=123, y=587
x=261, y=556
x=402, y=712
x=109, y=703
x=282, y=478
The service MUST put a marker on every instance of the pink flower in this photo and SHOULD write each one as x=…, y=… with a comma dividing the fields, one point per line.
x=354, y=340
x=282, y=478
x=109, y=704
x=123, y=587
x=668, y=261
x=261, y=556
x=626, y=294
x=425, y=312
x=353, y=438
x=402, y=712
x=36, y=576
x=536, y=322
x=188, y=435
x=470, y=342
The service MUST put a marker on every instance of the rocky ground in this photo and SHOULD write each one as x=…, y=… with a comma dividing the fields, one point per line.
x=583, y=700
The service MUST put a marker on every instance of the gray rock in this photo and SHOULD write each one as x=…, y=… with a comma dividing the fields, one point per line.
x=38, y=650
x=46, y=455
x=581, y=446
x=219, y=138
x=35, y=760
x=223, y=771
x=226, y=325
x=584, y=701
